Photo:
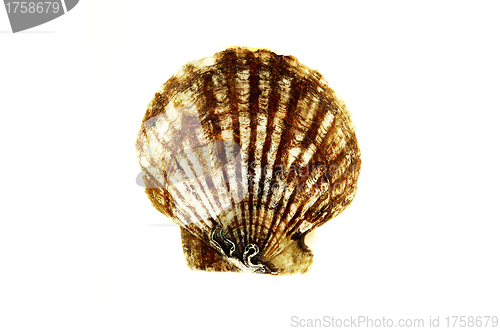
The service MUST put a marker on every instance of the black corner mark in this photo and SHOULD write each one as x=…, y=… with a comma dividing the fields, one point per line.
x=25, y=15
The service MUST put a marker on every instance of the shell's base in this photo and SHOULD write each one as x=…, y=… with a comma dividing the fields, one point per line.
x=297, y=258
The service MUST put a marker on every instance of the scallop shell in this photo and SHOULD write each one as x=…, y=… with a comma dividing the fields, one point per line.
x=248, y=151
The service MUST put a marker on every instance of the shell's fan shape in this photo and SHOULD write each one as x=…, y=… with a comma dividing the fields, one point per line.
x=248, y=151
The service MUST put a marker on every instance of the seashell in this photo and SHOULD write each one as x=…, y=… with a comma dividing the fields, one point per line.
x=248, y=151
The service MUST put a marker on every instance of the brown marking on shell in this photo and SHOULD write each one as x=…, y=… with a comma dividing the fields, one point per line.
x=293, y=165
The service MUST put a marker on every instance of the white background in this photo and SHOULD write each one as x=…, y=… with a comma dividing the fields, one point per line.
x=80, y=245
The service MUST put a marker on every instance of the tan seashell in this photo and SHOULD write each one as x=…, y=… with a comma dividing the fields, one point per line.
x=248, y=151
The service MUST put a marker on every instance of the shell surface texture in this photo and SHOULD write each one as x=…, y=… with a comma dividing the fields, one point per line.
x=248, y=151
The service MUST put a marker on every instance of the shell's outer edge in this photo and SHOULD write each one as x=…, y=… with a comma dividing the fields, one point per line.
x=281, y=113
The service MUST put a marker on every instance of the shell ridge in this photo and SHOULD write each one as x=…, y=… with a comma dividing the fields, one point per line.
x=279, y=100
x=229, y=75
x=193, y=186
x=290, y=193
x=308, y=200
x=288, y=146
x=254, y=105
x=280, y=108
x=246, y=121
x=268, y=91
